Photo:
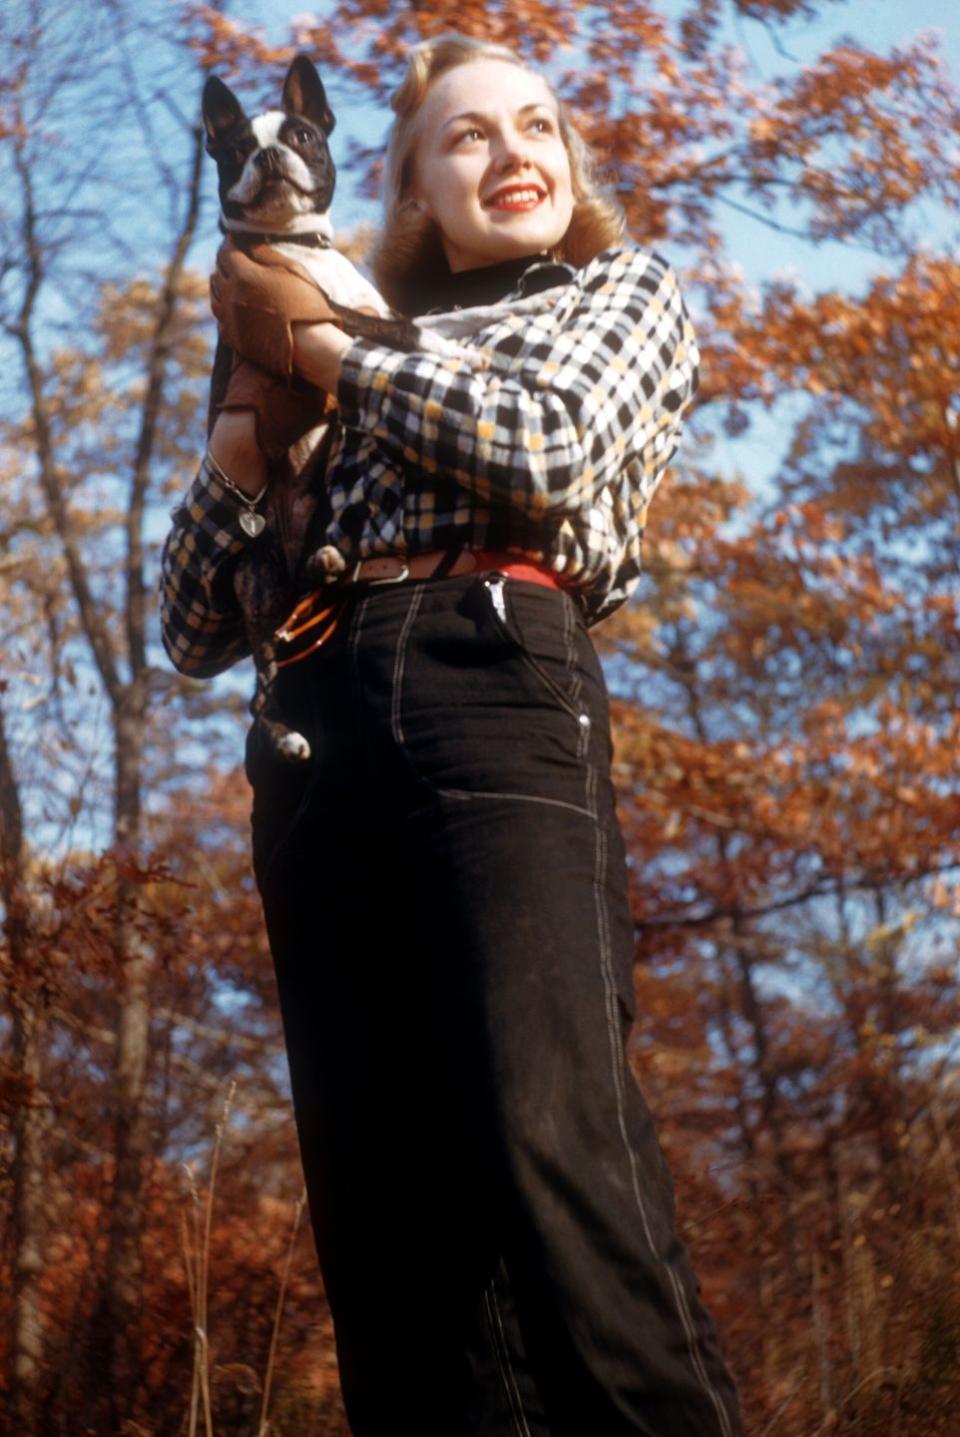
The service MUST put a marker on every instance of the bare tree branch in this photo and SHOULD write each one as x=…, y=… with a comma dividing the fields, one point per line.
x=156, y=366
x=90, y=617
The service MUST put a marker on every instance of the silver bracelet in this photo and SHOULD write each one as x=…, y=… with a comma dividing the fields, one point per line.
x=251, y=521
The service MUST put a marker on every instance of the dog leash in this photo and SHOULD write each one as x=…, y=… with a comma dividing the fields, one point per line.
x=303, y=620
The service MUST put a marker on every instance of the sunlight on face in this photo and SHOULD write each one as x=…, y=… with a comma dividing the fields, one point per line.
x=489, y=164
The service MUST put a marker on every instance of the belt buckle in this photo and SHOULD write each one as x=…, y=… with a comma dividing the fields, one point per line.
x=395, y=579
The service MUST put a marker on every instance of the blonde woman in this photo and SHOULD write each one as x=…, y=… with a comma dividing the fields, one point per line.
x=445, y=890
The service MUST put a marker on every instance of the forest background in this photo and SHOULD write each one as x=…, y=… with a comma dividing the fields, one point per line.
x=784, y=696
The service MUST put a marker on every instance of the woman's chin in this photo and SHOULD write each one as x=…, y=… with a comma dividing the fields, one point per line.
x=539, y=227
x=513, y=240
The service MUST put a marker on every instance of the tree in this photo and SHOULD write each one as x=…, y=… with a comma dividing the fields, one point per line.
x=113, y=628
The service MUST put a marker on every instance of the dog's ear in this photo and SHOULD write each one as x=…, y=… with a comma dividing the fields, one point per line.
x=222, y=111
x=304, y=95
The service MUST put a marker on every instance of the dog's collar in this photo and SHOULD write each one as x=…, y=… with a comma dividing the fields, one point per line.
x=251, y=237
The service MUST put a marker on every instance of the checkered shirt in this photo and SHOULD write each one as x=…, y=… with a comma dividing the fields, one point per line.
x=553, y=452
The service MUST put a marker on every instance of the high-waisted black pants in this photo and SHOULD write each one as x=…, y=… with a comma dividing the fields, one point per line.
x=445, y=894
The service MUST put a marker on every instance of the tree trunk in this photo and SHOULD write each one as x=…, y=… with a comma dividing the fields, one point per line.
x=28, y=1172
x=132, y=1133
x=115, y=1329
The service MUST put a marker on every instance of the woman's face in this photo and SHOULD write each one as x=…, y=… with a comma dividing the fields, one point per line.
x=489, y=165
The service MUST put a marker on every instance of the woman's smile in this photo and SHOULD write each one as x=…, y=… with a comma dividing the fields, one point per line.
x=518, y=198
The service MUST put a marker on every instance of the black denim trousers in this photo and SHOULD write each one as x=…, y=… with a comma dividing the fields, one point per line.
x=445, y=894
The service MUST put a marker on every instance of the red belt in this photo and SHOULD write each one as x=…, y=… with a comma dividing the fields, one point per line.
x=395, y=568
x=315, y=617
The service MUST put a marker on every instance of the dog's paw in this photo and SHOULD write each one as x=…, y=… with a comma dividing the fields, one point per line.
x=324, y=565
x=294, y=747
x=433, y=343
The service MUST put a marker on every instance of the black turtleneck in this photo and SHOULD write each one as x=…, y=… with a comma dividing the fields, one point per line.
x=467, y=287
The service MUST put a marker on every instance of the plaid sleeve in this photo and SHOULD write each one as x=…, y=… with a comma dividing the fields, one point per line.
x=601, y=378
x=200, y=621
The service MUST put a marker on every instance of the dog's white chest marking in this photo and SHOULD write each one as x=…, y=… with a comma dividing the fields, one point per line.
x=336, y=276
x=342, y=281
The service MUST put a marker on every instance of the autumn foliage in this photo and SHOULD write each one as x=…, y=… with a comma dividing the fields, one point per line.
x=784, y=692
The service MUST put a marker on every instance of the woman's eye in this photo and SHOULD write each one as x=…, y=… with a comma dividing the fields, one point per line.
x=544, y=125
x=470, y=134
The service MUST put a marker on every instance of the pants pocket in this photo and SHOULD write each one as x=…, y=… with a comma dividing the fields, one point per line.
x=491, y=698
x=552, y=637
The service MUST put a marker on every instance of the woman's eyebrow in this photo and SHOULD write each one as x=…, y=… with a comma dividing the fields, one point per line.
x=476, y=115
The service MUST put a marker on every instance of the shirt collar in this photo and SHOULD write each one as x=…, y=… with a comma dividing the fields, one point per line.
x=490, y=283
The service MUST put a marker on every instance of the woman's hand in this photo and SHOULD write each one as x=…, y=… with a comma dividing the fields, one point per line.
x=317, y=351
x=282, y=415
x=258, y=299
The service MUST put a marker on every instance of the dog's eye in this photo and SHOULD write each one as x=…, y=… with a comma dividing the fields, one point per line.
x=302, y=136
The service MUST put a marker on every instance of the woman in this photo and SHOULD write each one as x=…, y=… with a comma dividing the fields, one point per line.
x=445, y=891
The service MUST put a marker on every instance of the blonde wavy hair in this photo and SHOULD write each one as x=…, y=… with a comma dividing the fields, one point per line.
x=408, y=251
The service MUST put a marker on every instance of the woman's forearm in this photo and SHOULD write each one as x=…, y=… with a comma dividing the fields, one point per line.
x=233, y=444
x=317, y=350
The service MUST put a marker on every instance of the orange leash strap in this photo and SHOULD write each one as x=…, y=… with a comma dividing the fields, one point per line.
x=311, y=648
x=304, y=618
x=287, y=635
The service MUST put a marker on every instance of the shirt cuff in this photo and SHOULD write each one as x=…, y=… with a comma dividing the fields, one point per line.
x=211, y=514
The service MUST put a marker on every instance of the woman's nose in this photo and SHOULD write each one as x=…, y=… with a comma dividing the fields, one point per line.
x=510, y=152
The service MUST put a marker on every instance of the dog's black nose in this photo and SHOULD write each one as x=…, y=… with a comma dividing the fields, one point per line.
x=269, y=161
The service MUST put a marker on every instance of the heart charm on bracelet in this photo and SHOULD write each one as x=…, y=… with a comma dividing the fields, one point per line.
x=252, y=523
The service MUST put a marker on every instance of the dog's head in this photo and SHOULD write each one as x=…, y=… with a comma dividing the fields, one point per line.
x=276, y=173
